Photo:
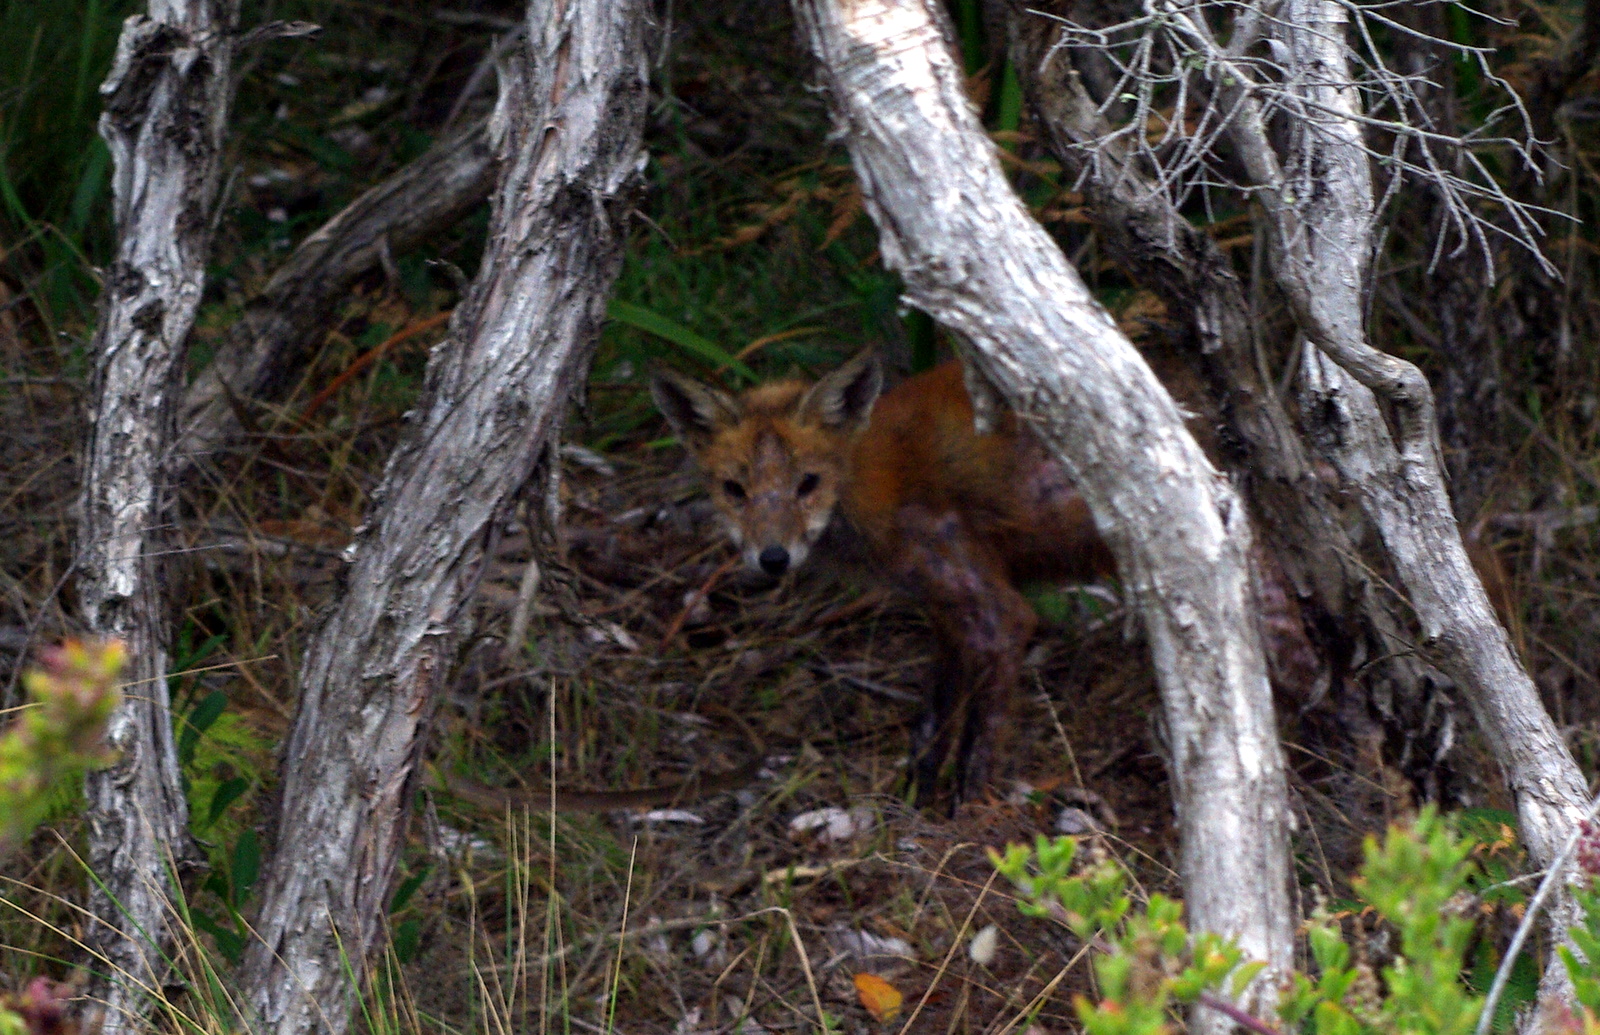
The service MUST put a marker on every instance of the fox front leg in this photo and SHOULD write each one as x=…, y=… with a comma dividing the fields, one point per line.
x=983, y=625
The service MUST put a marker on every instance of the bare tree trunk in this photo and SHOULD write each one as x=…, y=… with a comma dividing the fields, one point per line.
x=567, y=132
x=1300, y=517
x=1145, y=233
x=1318, y=197
x=281, y=323
x=167, y=103
x=1322, y=244
x=973, y=257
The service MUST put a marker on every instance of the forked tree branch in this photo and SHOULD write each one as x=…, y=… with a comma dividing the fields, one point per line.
x=1317, y=195
x=1144, y=232
x=1319, y=202
x=973, y=257
x=281, y=323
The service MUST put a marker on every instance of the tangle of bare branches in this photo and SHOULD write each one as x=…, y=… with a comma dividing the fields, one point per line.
x=1185, y=70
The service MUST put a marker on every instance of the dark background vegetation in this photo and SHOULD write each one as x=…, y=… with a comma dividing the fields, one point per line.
x=750, y=246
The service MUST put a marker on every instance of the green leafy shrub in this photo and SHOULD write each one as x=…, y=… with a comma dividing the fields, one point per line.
x=1418, y=881
x=57, y=737
x=1149, y=963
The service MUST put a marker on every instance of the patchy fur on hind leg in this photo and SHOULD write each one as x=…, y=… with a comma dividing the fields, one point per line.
x=983, y=624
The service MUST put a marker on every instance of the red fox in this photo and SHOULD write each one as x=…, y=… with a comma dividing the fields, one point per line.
x=953, y=518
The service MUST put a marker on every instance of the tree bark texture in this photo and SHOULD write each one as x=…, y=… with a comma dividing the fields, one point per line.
x=1321, y=203
x=1300, y=517
x=1318, y=198
x=973, y=258
x=167, y=102
x=567, y=134
x=282, y=323
x=1146, y=234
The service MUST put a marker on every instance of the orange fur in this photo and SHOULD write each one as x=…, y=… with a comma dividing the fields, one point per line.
x=953, y=518
x=921, y=450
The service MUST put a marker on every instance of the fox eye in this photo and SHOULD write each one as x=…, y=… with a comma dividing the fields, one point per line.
x=808, y=484
x=733, y=489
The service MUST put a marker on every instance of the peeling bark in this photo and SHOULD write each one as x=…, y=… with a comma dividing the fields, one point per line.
x=1318, y=200
x=973, y=258
x=1300, y=516
x=167, y=101
x=1321, y=204
x=567, y=132
x=285, y=320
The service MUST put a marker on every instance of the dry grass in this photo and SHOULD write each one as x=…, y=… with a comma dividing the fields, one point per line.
x=625, y=679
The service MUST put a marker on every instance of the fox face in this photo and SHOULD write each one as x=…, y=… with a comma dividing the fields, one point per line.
x=777, y=457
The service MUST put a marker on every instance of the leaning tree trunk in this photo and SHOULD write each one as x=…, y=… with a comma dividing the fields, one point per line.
x=1321, y=244
x=567, y=132
x=973, y=258
x=281, y=323
x=1318, y=198
x=1300, y=516
x=1145, y=233
x=166, y=114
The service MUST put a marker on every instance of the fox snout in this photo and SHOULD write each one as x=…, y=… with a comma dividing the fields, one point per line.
x=773, y=530
x=767, y=556
x=774, y=560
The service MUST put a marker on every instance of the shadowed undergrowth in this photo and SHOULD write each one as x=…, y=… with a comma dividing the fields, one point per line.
x=750, y=254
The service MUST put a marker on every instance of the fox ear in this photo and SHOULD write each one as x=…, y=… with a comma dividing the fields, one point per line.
x=696, y=411
x=843, y=399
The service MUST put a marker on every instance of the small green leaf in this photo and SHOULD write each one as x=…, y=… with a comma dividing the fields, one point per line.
x=1244, y=975
x=228, y=792
x=199, y=719
x=407, y=888
x=246, y=864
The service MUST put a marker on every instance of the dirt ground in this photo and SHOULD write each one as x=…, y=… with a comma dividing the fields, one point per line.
x=653, y=661
x=649, y=658
x=646, y=658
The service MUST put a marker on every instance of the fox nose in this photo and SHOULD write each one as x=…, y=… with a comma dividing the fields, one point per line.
x=774, y=560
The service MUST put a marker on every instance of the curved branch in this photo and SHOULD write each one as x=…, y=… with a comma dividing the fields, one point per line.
x=973, y=258
x=1145, y=233
x=282, y=322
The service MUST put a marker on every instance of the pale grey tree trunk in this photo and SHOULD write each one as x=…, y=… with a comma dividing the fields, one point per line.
x=1300, y=515
x=167, y=102
x=567, y=134
x=1318, y=196
x=282, y=323
x=1146, y=234
x=1321, y=203
x=973, y=258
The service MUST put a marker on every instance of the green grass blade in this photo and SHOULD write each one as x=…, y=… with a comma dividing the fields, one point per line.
x=91, y=186
x=1008, y=113
x=696, y=345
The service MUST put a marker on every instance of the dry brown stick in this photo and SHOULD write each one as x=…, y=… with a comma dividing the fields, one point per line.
x=699, y=594
x=293, y=310
x=872, y=598
x=366, y=359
